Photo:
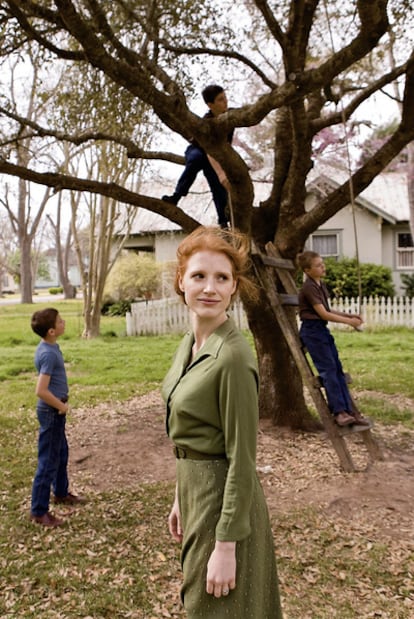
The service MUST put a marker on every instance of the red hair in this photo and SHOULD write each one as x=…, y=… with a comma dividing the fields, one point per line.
x=233, y=245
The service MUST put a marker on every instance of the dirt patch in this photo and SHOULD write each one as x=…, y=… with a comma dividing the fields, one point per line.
x=123, y=445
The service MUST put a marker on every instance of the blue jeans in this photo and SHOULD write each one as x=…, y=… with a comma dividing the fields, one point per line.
x=195, y=161
x=53, y=455
x=321, y=346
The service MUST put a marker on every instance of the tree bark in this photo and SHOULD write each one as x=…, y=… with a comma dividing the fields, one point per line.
x=25, y=244
x=281, y=395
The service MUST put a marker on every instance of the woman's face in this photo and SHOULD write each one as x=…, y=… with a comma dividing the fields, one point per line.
x=208, y=285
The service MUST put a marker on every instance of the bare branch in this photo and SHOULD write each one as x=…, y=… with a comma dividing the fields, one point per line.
x=61, y=181
x=338, y=117
x=52, y=17
x=208, y=51
x=134, y=151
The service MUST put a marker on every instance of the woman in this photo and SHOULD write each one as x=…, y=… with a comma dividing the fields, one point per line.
x=219, y=513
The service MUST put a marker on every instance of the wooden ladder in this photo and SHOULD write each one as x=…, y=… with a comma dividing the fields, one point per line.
x=266, y=265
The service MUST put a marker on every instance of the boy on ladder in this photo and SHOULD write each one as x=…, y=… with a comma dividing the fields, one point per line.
x=315, y=312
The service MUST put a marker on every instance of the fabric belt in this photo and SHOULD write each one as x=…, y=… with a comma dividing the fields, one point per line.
x=190, y=454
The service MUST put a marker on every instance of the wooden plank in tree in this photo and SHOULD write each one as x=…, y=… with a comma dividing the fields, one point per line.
x=289, y=299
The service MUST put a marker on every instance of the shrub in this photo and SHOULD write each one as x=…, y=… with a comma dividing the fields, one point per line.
x=115, y=308
x=133, y=276
x=56, y=290
x=408, y=281
x=342, y=279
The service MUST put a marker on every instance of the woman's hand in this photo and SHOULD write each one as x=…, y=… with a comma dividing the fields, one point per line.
x=221, y=569
x=174, y=522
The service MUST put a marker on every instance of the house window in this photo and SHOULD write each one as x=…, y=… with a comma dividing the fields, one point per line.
x=326, y=245
x=405, y=251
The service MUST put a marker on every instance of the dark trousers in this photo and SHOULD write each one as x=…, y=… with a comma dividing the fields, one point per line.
x=196, y=160
x=53, y=454
x=321, y=346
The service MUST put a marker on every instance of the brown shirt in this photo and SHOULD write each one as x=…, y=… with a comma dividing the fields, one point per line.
x=312, y=294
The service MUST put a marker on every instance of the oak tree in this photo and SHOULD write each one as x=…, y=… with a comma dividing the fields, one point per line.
x=319, y=64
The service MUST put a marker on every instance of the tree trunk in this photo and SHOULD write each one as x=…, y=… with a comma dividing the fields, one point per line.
x=410, y=184
x=281, y=396
x=92, y=324
x=26, y=278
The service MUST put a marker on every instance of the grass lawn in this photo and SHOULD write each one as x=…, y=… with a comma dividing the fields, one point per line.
x=115, y=559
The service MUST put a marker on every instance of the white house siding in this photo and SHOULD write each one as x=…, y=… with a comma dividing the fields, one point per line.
x=368, y=229
x=166, y=246
x=390, y=243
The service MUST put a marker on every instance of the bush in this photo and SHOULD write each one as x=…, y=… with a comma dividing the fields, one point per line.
x=57, y=290
x=408, y=281
x=115, y=308
x=342, y=279
x=133, y=276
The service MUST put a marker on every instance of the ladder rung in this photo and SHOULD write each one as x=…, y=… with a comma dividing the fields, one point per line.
x=280, y=263
x=289, y=299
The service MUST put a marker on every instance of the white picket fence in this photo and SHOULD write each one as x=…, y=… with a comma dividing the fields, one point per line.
x=168, y=316
x=165, y=316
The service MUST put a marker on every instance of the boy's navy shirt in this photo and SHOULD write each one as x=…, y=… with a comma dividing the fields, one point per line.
x=49, y=360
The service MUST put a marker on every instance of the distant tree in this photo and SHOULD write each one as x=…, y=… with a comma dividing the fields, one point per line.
x=63, y=250
x=38, y=261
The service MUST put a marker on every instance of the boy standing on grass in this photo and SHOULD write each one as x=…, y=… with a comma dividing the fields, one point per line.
x=315, y=312
x=52, y=406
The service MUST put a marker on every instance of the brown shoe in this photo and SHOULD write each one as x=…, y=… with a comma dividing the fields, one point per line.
x=69, y=499
x=343, y=419
x=360, y=419
x=47, y=520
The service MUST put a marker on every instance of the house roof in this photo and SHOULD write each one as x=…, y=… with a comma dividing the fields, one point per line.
x=322, y=183
x=387, y=195
x=390, y=192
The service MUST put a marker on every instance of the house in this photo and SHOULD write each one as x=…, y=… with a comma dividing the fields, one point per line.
x=53, y=280
x=7, y=283
x=376, y=228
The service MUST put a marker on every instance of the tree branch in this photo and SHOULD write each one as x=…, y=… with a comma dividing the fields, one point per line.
x=52, y=17
x=200, y=51
x=338, y=117
x=363, y=177
x=133, y=150
x=61, y=181
x=272, y=23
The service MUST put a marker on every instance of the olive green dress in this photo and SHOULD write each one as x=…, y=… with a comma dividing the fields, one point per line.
x=212, y=408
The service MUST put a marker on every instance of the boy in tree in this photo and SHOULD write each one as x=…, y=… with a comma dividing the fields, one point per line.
x=315, y=313
x=52, y=406
x=196, y=159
